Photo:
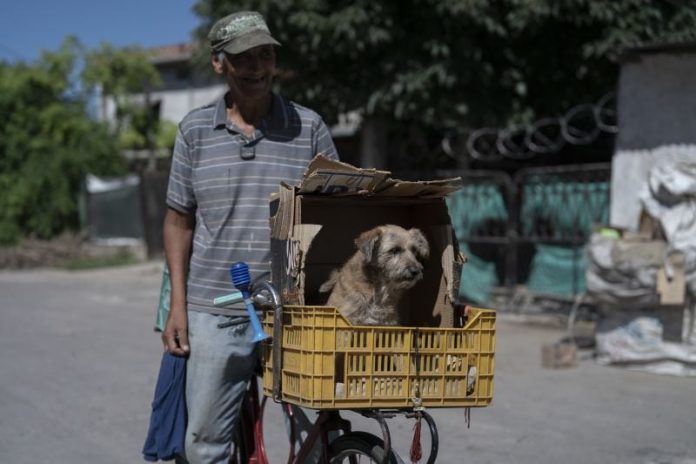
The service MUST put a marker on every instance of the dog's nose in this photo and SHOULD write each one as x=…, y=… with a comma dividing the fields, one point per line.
x=413, y=271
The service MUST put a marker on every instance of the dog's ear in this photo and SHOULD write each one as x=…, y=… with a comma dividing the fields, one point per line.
x=367, y=242
x=421, y=243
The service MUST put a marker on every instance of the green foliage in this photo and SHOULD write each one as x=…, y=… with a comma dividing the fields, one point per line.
x=126, y=75
x=458, y=62
x=47, y=145
x=166, y=135
x=119, y=71
x=134, y=135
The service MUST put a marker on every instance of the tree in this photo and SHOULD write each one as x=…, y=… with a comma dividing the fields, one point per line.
x=47, y=145
x=126, y=76
x=433, y=64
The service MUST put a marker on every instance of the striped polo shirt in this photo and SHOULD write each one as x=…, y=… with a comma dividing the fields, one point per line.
x=226, y=178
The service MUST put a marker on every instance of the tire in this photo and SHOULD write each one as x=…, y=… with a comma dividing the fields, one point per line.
x=358, y=448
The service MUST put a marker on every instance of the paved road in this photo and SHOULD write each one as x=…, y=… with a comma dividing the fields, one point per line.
x=78, y=361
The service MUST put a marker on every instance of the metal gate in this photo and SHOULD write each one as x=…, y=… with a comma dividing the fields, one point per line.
x=529, y=229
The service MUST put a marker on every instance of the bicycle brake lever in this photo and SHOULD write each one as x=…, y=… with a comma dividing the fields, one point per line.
x=261, y=298
x=232, y=322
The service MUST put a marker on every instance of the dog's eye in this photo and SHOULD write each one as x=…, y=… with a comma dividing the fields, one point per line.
x=417, y=253
x=395, y=250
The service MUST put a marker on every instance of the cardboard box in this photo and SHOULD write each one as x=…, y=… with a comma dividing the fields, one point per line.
x=558, y=355
x=314, y=224
x=649, y=227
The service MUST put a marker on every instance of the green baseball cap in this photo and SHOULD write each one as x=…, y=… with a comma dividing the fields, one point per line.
x=239, y=32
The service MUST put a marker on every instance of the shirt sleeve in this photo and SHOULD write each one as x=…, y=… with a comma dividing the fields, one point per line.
x=322, y=141
x=180, y=194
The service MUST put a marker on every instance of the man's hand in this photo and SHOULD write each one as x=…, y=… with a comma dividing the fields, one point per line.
x=175, y=335
x=178, y=233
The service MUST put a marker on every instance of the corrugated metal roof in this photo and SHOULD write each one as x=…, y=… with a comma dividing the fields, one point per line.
x=631, y=52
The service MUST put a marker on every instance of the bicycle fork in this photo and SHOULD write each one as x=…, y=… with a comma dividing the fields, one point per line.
x=381, y=416
x=327, y=421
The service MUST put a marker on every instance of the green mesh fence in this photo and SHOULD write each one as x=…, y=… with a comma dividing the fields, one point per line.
x=564, y=209
x=561, y=211
x=473, y=205
x=555, y=214
x=478, y=278
x=471, y=208
x=558, y=270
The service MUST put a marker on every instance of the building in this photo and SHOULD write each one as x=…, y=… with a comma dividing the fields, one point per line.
x=184, y=85
x=656, y=103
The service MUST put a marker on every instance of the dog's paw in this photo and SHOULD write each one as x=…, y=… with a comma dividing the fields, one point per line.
x=327, y=286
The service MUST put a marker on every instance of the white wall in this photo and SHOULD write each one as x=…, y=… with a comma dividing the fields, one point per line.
x=177, y=103
x=657, y=124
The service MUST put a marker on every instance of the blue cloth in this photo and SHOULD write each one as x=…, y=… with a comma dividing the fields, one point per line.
x=165, y=438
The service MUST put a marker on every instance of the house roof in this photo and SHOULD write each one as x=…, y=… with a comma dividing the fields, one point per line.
x=167, y=54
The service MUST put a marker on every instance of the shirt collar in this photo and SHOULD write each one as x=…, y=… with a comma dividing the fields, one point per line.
x=277, y=119
x=220, y=117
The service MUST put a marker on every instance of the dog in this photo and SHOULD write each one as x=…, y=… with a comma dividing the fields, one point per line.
x=368, y=287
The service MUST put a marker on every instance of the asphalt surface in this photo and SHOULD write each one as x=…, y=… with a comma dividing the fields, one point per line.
x=79, y=359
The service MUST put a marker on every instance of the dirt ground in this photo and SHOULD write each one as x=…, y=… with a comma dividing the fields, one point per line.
x=69, y=247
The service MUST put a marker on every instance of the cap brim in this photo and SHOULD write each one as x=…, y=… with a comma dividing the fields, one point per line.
x=249, y=41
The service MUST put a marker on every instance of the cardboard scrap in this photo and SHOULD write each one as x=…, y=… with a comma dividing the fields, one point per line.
x=671, y=281
x=327, y=176
x=558, y=355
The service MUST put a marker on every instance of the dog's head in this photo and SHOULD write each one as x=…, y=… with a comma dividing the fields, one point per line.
x=396, y=253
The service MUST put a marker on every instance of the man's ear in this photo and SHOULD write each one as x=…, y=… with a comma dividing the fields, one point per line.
x=217, y=60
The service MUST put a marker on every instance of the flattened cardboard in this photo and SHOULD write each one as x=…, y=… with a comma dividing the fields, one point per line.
x=671, y=283
x=314, y=226
x=326, y=176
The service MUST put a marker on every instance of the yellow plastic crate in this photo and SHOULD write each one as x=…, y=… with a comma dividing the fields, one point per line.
x=329, y=364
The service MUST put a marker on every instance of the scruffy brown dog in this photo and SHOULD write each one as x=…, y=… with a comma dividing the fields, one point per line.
x=367, y=289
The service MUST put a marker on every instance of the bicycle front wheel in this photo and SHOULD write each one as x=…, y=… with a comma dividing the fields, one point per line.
x=358, y=448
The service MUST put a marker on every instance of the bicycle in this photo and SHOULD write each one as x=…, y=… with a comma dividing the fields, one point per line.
x=351, y=446
x=346, y=445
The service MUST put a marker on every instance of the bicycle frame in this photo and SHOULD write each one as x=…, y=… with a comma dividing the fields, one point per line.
x=251, y=419
x=252, y=408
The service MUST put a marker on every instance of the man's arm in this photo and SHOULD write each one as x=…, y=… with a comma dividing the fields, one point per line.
x=178, y=236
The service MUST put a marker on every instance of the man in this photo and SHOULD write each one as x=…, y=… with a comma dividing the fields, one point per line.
x=228, y=158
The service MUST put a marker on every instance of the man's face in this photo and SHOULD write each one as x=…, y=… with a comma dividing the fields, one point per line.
x=250, y=74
